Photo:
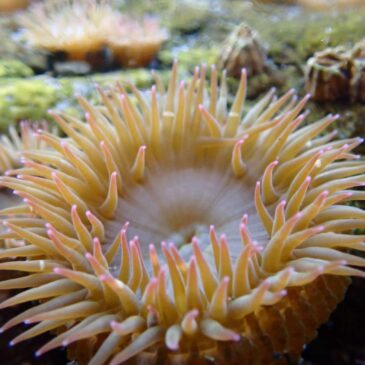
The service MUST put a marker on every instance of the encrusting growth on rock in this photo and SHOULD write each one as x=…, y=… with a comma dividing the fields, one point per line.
x=171, y=229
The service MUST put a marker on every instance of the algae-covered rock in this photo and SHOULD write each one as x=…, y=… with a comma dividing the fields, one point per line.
x=188, y=15
x=188, y=58
x=14, y=68
x=25, y=99
x=32, y=98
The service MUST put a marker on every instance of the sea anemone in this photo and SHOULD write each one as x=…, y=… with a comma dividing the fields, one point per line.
x=83, y=30
x=77, y=28
x=13, y=144
x=170, y=229
x=11, y=148
x=135, y=43
x=328, y=74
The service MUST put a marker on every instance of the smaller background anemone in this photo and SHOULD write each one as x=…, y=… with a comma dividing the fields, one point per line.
x=13, y=5
x=135, y=43
x=73, y=27
x=13, y=144
x=11, y=148
x=82, y=30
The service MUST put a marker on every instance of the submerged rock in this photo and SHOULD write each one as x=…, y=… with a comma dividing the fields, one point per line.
x=243, y=49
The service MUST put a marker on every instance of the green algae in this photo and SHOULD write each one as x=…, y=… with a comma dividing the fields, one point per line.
x=32, y=97
x=14, y=68
x=189, y=58
x=25, y=99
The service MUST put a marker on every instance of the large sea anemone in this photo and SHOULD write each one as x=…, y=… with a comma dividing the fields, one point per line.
x=171, y=229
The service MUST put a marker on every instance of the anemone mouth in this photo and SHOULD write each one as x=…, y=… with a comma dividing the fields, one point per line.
x=102, y=205
x=178, y=201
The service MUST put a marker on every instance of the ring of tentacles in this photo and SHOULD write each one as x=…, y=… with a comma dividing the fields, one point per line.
x=167, y=228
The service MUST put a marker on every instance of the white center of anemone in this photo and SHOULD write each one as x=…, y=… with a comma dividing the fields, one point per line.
x=175, y=205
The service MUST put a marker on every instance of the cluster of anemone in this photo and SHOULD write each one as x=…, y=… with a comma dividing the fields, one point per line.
x=13, y=144
x=83, y=29
x=169, y=228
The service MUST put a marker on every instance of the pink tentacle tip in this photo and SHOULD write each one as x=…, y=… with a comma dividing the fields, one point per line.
x=236, y=337
x=265, y=284
x=114, y=324
x=257, y=248
x=103, y=277
x=11, y=343
x=308, y=96
x=56, y=270
x=298, y=216
x=38, y=353
x=325, y=193
x=88, y=256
